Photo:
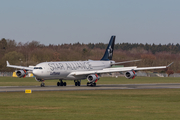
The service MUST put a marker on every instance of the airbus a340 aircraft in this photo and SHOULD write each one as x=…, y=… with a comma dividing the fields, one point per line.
x=79, y=70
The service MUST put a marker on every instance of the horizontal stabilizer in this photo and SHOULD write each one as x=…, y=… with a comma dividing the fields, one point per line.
x=125, y=62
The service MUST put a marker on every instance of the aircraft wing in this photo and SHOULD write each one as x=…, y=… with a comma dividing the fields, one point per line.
x=119, y=69
x=19, y=67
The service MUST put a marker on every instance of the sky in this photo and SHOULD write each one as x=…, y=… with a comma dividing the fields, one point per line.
x=90, y=21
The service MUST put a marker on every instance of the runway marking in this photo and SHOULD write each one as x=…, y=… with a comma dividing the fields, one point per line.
x=84, y=87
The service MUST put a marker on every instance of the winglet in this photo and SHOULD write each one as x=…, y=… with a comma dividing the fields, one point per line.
x=7, y=63
x=169, y=64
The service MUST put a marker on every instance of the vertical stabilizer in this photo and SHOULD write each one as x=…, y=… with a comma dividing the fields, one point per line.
x=109, y=50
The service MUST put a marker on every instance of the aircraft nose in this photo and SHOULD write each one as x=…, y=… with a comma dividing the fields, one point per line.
x=35, y=72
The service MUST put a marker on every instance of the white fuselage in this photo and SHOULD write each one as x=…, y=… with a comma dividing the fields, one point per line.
x=61, y=70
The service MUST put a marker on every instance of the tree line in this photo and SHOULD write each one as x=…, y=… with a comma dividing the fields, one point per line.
x=32, y=53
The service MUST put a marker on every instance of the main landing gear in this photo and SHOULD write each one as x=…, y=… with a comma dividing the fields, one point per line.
x=77, y=82
x=61, y=83
x=91, y=84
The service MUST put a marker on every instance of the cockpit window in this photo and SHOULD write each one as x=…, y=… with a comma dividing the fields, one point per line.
x=37, y=67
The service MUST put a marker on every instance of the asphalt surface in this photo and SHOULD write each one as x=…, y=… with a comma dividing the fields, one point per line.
x=84, y=87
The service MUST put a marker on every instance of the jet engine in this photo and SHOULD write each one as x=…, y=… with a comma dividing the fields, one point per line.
x=39, y=80
x=21, y=73
x=130, y=74
x=93, y=78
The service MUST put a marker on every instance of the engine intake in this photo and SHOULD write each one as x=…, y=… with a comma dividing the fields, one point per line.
x=130, y=74
x=21, y=73
x=93, y=78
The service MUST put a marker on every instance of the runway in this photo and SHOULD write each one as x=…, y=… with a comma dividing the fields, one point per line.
x=84, y=87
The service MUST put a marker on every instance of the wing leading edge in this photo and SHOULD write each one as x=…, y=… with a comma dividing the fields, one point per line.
x=19, y=67
x=119, y=69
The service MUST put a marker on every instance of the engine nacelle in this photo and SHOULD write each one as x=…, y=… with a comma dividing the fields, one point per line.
x=21, y=73
x=39, y=80
x=93, y=78
x=130, y=74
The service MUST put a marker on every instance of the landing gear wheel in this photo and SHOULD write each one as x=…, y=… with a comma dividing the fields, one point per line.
x=79, y=83
x=87, y=83
x=64, y=83
x=42, y=84
x=61, y=83
x=58, y=84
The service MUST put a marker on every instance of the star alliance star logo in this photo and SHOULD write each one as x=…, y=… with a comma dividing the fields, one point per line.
x=110, y=50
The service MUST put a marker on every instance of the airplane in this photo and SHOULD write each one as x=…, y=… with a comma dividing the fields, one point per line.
x=79, y=70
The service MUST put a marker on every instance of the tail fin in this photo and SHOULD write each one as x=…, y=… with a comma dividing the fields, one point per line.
x=109, y=50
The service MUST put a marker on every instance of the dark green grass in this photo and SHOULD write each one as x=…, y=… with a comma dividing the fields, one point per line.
x=148, y=104
x=157, y=104
x=10, y=81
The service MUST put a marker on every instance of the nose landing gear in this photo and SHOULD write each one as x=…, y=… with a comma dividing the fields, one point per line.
x=42, y=84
